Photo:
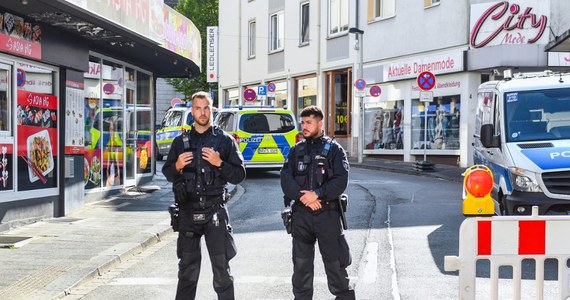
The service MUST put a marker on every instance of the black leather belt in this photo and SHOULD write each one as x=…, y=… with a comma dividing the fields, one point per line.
x=298, y=206
x=201, y=202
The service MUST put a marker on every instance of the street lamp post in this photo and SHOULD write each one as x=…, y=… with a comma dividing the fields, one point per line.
x=359, y=36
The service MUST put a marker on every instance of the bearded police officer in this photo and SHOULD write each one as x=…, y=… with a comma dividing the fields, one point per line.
x=313, y=178
x=199, y=164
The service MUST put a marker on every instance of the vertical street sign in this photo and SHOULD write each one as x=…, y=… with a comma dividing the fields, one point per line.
x=212, y=54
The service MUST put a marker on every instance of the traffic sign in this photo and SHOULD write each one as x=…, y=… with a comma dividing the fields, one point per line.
x=262, y=90
x=249, y=95
x=375, y=91
x=360, y=84
x=271, y=87
x=426, y=81
x=426, y=96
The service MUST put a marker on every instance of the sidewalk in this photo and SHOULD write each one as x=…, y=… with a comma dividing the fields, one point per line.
x=62, y=253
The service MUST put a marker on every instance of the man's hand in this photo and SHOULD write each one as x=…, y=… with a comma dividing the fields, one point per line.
x=311, y=200
x=183, y=160
x=212, y=156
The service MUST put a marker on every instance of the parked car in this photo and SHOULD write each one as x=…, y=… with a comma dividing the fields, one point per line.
x=264, y=134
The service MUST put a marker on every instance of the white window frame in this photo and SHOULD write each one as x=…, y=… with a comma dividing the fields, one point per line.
x=251, y=32
x=381, y=9
x=276, y=31
x=304, y=32
x=338, y=14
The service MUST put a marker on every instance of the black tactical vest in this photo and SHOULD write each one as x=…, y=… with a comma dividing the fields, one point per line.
x=202, y=178
x=312, y=163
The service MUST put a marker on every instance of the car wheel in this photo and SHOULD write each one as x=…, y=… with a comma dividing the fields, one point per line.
x=503, y=205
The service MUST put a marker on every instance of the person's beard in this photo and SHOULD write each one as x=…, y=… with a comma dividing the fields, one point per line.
x=203, y=122
x=310, y=134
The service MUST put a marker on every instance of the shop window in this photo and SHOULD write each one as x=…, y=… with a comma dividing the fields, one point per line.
x=37, y=120
x=231, y=97
x=143, y=120
x=338, y=16
x=338, y=99
x=5, y=101
x=305, y=93
x=383, y=126
x=280, y=97
x=442, y=132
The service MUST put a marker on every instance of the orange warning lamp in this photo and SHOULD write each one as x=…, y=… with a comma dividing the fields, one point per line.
x=477, y=188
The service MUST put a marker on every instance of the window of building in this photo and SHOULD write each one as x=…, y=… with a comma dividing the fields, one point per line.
x=339, y=90
x=280, y=98
x=37, y=122
x=304, y=26
x=231, y=97
x=383, y=126
x=5, y=101
x=305, y=93
x=429, y=3
x=338, y=16
x=442, y=132
x=384, y=9
x=251, y=39
x=276, y=31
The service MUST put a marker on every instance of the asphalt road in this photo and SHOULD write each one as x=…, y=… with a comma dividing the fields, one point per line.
x=400, y=229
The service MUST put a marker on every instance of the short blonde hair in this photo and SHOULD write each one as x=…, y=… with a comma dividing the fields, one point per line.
x=202, y=95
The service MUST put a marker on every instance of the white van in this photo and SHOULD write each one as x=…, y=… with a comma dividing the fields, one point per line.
x=522, y=132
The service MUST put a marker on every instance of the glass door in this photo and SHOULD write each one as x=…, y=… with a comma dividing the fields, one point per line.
x=143, y=125
x=130, y=127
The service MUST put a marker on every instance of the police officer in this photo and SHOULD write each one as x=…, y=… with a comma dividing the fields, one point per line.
x=203, y=160
x=314, y=175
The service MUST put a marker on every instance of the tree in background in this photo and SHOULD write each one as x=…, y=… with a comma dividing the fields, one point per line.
x=203, y=13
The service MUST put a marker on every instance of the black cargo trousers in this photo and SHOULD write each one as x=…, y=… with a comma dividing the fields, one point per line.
x=323, y=226
x=221, y=248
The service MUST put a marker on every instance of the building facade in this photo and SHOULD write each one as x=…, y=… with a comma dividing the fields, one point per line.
x=360, y=61
x=78, y=99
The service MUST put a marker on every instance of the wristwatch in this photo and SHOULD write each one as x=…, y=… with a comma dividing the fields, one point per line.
x=222, y=165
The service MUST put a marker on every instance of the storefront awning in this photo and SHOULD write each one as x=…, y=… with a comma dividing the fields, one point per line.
x=560, y=44
x=112, y=37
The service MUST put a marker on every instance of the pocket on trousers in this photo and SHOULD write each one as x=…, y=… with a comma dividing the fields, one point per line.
x=344, y=256
x=231, y=250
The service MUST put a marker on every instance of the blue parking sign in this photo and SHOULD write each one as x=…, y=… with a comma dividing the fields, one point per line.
x=261, y=90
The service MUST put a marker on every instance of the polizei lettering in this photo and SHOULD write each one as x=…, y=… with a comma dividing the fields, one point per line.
x=562, y=154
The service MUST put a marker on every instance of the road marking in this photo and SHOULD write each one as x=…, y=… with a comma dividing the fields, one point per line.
x=144, y=281
x=395, y=290
x=371, y=266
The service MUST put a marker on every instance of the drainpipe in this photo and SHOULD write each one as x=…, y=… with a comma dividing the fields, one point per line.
x=240, y=89
x=318, y=67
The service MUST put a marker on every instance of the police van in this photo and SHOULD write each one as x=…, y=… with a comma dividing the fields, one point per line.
x=177, y=118
x=522, y=132
x=264, y=134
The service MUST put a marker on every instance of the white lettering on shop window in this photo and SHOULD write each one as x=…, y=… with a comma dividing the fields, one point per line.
x=38, y=100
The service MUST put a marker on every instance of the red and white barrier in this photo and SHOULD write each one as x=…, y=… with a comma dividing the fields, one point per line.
x=507, y=241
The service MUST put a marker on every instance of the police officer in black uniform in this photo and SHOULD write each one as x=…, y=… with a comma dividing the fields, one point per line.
x=200, y=163
x=314, y=175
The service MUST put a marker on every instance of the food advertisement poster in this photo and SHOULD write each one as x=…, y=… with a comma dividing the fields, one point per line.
x=6, y=167
x=36, y=140
x=92, y=155
x=74, y=120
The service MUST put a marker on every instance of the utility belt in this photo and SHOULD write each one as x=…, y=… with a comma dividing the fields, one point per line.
x=298, y=206
x=202, y=202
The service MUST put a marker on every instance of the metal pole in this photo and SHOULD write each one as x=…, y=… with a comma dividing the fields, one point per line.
x=426, y=107
x=361, y=98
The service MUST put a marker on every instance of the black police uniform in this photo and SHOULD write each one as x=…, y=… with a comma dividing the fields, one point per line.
x=319, y=164
x=203, y=210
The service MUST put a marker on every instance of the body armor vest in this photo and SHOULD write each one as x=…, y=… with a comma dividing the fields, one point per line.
x=312, y=164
